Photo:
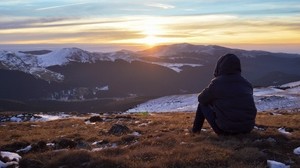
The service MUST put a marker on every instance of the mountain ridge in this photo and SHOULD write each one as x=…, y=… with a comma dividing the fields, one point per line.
x=75, y=75
x=36, y=62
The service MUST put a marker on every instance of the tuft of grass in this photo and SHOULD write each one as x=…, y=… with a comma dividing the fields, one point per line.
x=145, y=113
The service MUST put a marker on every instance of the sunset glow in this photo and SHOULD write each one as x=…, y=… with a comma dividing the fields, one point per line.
x=149, y=23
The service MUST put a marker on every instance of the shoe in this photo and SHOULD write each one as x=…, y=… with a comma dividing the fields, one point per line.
x=195, y=131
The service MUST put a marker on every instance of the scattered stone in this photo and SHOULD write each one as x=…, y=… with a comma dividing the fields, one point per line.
x=95, y=119
x=143, y=125
x=24, y=150
x=183, y=143
x=289, y=129
x=39, y=146
x=124, y=117
x=261, y=127
x=272, y=140
x=285, y=131
x=118, y=129
x=129, y=139
x=50, y=145
x=108, y=146
x=136, y=134
x=89, y=123
x=81, y=144
x=14, y=146
x=101, y=142
x=20, y=118
x=65, y=143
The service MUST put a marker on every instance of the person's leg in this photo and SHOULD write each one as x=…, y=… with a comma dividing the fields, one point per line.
x=206, y=112
x=199, y=120
x=211, y=119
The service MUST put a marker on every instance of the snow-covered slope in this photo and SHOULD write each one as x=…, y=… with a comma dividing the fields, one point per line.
x=265, y=99
x=125, y=55
x=36, y=64
x=64, y=56
x=27, y=63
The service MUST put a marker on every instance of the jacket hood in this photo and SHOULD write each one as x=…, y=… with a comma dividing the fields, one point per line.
x=228, y=64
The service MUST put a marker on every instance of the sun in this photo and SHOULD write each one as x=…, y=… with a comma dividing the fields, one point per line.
x=152, y=32
x=151, y=40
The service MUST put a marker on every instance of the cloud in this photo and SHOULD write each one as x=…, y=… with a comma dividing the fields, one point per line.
x=132, y=29
x=162, y=6
x=61, y=6
x=56, y=22
x=99, y=36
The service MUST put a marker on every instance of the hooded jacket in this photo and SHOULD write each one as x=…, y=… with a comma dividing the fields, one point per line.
x=231, y=97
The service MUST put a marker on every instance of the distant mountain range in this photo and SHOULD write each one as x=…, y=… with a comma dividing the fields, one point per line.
x=75, y=75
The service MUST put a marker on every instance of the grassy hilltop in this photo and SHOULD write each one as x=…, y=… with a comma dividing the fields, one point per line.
x=151, y=140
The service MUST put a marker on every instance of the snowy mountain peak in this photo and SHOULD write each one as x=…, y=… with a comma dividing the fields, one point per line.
x=27, y=63
x=64, y=56
x=12, y=61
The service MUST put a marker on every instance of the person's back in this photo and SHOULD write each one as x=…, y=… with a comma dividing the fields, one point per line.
x=230, y=97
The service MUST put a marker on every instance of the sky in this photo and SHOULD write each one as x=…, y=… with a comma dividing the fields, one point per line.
x=272, y=25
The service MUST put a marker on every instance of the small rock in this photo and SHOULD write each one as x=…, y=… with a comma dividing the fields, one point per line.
x=128, y=117
x=81, y=144
x=118, y=129
x=261, y=127
x=101, y=142
x=272, y=140
x=283, y=130
x=129, y=139
x=289, y=129
x=14, y=146
x=143, y=125
x=25, y=150
x=39, y=146
x=95, y=119
x=136, y=134
x=65, y=143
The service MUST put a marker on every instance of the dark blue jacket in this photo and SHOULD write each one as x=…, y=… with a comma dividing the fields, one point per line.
x=231, y=97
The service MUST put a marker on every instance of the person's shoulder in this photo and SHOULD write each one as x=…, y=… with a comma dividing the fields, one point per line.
x=217, y=80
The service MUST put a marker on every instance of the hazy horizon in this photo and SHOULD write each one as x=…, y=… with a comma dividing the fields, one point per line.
x=135, y=25
x=111, y=48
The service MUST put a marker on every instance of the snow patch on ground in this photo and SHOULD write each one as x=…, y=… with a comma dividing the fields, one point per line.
x=113, y=145
x=292, y=84
x=14, y=159
x=11, y=156
x=283, y=131
x=174, y=103
x=275, y=164
x=269, y=98
x=176, y=66
x=37, y=118
x=297, y=151
x=25, y=150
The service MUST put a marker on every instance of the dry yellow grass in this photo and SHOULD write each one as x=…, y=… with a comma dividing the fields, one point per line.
x=164, y=142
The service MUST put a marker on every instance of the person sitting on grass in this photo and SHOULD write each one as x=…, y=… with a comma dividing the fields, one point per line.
x=227, y=102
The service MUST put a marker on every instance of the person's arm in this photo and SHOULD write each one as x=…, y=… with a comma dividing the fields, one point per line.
x=206, y=96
